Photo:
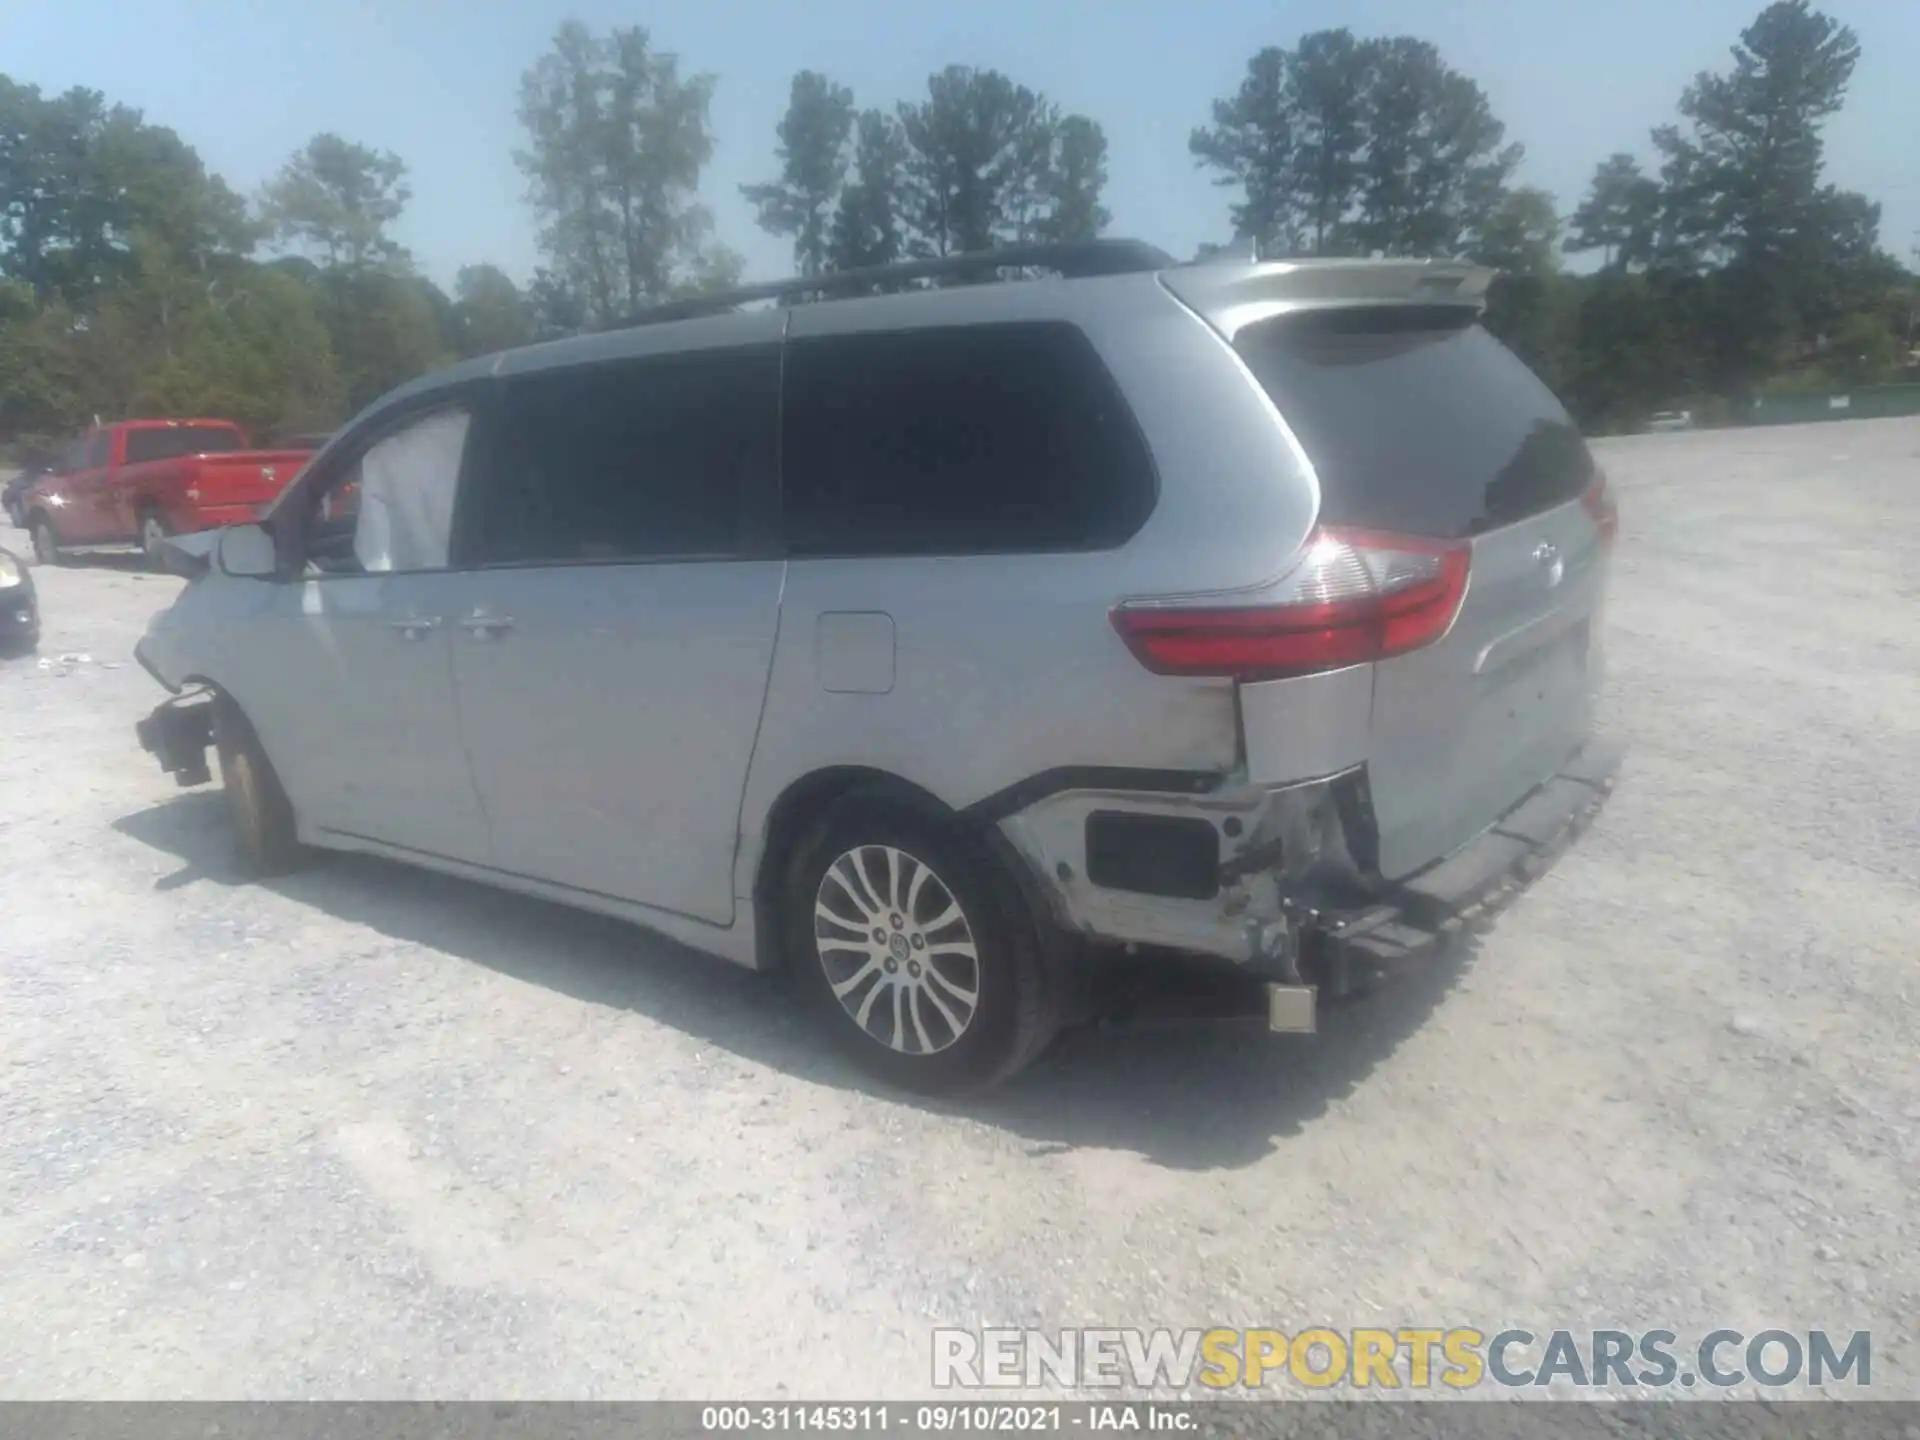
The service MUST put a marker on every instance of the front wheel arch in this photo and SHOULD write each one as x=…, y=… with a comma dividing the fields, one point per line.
x=264, y=823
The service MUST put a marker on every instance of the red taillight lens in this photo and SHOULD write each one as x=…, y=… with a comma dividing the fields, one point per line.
x=1598, y=503
x=1357, y=596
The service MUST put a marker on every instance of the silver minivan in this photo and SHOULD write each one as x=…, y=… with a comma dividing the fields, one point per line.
x=931, y=644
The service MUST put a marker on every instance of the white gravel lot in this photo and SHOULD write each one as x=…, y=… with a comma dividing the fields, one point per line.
x=369, y=1133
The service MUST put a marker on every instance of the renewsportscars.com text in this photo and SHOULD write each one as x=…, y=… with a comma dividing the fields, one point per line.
x=1414, y=1358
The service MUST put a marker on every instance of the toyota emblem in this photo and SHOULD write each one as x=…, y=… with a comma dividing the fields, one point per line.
x=1547, y=556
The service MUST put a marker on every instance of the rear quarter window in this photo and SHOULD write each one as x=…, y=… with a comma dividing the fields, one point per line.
x=957, y=440
x=1417, y=420
x=175, y=441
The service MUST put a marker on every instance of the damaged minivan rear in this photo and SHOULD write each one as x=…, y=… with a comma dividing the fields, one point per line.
x=933, y=647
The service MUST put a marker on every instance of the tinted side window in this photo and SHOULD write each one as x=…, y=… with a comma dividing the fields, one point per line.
x=1417, y=420
x=178, y=440
x=665, y=457
x=966, y=439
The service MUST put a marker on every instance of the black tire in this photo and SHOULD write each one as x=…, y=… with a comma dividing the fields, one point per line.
x=262, y=815
x=153, y=533
x=46, y=542
x=1017, y=973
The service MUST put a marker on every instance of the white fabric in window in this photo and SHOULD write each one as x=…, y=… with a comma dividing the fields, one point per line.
x=407, y=484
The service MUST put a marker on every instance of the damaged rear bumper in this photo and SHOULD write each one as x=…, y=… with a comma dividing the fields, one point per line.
x=1414, y=917
x=178, y=734
x=1297, y=908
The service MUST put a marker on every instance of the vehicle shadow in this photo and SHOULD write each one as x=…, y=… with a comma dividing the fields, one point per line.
x=129, y=562
x=1188, y=1097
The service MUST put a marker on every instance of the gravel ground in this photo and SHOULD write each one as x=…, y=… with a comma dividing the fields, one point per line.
x=370, y=1133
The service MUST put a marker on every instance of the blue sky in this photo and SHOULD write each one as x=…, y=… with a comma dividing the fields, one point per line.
x=247, y=81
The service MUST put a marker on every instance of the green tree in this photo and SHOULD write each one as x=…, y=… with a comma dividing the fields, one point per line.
x=384, y=329
x=1434, y=157
x=489, y=312
x=1526, y=303
x=1075, y=177
x=1346, y=146
x=1619, y=216
x=1744, y=196
x=79, y=177
x=1328, y=76
x=1865, y=351
x=43, y=374
x=1750, y=161
x=1250, y=144
x=339, y=199
x=709, y=270
x=814, y=140
x=866, y=224
x=556, y=307
x=617, y=140
x=1628, y=355
x=991, y=162
x=972, y=152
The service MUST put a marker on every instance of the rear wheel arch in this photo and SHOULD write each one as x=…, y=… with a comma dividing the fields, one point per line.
x=1011, y=1003
x=799, y=808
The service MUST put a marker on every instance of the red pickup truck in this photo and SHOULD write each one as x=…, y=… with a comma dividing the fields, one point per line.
x=139, y=481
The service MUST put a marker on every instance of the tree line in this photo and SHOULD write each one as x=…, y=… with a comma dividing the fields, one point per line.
x=135, y=281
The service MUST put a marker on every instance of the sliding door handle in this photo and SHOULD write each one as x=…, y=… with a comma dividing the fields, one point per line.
x=487, y=627
x=414, y=628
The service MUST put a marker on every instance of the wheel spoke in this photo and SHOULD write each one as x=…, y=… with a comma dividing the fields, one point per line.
x=932, y=997
x=961, y=948
x=882, y=895
x=866, y=1005
x=945, y=918
x=899, y=1038
x=912, y=902
x=827, y=917
x=834, y=874
x=919, y=1029
x=967, y=997
x=846, y=987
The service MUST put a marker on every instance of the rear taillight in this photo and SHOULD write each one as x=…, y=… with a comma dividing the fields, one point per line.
x=1598, y=503
x=1356, y=596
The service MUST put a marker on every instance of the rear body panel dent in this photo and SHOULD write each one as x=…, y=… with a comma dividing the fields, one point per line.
x=1463, y=728
x=1306, y=728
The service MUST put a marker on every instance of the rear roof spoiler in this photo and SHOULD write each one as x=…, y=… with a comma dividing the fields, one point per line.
x=1230, y=296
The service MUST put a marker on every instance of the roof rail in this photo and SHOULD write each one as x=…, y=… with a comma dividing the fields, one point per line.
x=1075, y=259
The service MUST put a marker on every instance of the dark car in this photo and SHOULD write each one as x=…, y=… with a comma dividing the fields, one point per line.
x=19, y=608
x=14, y=496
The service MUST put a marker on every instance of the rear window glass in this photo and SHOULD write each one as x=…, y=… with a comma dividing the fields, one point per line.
x=1417, y=420
x=144, y=445
x=1006, y=437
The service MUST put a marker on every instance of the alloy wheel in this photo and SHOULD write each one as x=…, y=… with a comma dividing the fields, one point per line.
x=898, y=950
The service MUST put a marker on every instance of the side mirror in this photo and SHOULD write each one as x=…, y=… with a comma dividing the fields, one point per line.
x=248, y=551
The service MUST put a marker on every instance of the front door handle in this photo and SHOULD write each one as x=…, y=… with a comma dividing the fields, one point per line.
x=414, y=628
x=486, y=627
